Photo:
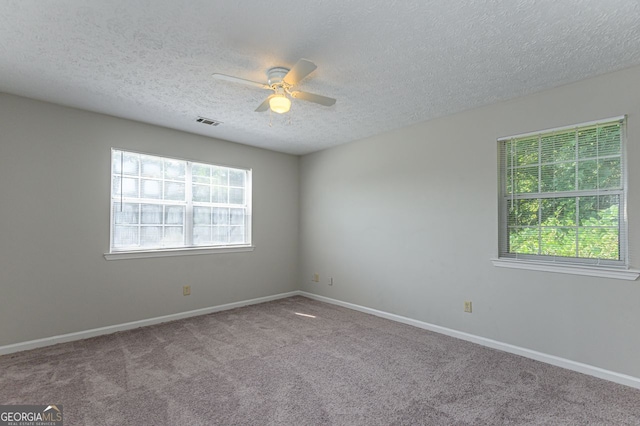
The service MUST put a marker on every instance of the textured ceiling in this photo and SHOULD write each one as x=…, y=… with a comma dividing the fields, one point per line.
x=388, y=63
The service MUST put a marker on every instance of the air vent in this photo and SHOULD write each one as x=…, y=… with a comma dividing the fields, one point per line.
x=208, y=121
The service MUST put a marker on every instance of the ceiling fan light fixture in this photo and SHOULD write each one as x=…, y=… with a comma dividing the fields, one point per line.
x=279, y=104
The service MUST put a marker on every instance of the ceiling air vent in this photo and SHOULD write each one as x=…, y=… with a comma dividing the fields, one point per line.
x=209, y=121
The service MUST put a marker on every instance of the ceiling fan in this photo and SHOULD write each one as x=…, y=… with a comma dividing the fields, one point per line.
x=281, y=81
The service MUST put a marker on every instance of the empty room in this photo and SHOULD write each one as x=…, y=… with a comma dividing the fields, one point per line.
x=319, y=213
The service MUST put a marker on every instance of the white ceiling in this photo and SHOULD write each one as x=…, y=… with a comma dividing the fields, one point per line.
x=388, y=63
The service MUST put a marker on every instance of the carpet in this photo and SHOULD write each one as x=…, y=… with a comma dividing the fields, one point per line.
x=298, y=361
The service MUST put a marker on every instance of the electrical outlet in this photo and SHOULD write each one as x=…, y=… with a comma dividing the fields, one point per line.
x=316, y=278
x=467, y=307
x=186, y=290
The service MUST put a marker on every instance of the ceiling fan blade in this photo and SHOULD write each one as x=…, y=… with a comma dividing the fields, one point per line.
x=265, y=105
x=240, y=80
x=311, y=97
x=300, y=70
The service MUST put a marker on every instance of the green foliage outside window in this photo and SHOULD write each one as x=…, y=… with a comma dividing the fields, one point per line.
x=563, y=193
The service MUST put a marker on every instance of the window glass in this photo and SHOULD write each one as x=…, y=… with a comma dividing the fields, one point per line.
x=161, y=203
x=562, y=195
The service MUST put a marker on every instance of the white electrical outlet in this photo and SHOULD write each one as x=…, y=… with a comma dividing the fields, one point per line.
x=467, y=307
x=186, y=290
x=316, y=278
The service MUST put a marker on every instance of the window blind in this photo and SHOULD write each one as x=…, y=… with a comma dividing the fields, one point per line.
x=562, y=194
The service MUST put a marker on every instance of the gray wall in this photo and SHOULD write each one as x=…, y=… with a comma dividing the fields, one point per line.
x=54, y=225
x=406, y=222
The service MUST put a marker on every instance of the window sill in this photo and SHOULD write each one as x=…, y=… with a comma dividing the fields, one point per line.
x=190, y=251
x=593, y=271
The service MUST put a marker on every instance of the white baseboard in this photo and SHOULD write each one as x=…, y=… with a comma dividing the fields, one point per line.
x=54, y=340
x=601, y=373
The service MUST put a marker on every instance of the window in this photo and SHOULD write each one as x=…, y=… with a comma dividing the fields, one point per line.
x=165, y=203
x=563, y=193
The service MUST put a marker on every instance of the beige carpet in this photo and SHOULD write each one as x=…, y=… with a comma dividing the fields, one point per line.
x=267, y=365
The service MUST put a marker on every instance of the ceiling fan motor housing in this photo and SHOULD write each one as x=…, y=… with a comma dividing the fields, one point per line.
x=276, y=75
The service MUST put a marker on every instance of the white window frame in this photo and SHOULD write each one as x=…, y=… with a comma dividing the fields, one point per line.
x=618, y=269
x=189, y=248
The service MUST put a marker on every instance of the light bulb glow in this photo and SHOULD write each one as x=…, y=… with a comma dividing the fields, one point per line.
x=279, y=104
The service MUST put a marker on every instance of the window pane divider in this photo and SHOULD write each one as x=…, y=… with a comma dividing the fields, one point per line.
x=155, y=201
x=188, y=195
x=567, y=194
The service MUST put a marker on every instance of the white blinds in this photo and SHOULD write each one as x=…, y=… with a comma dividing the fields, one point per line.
x=563, y=194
